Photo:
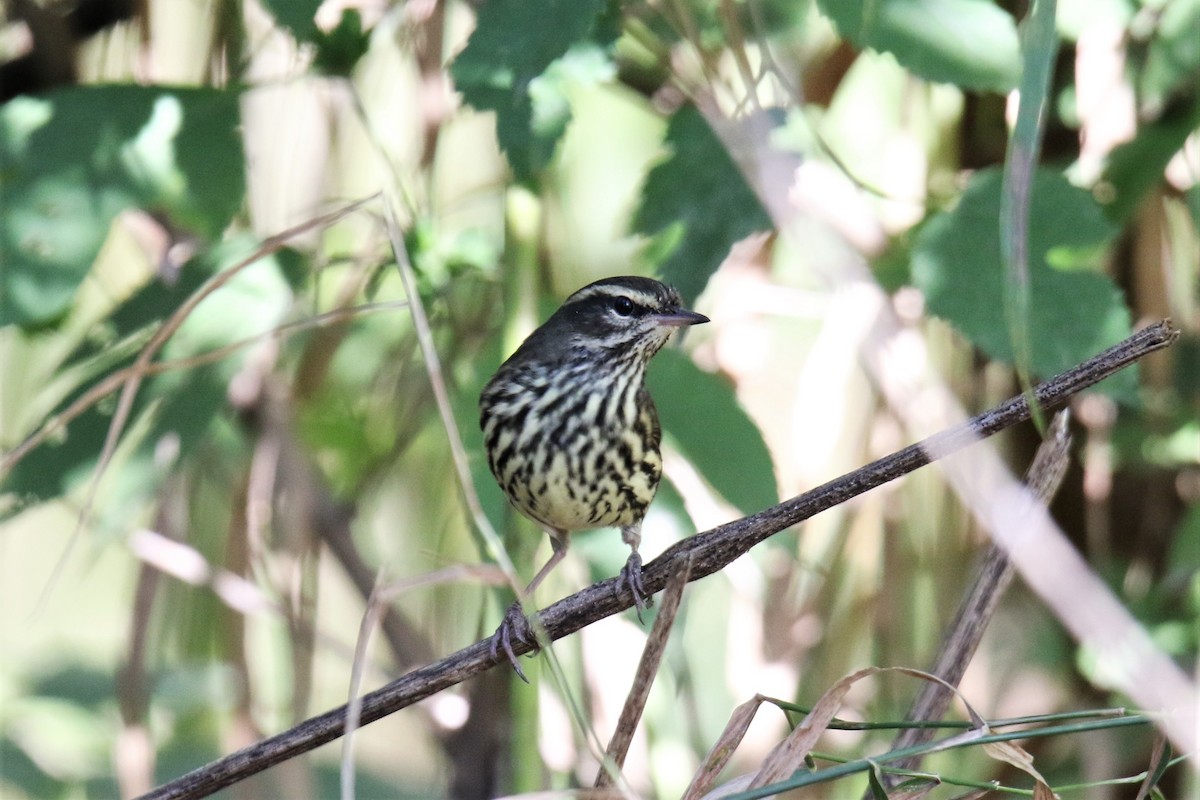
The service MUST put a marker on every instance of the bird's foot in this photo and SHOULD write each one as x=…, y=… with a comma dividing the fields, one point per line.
x=514, y=628
x=631, y=576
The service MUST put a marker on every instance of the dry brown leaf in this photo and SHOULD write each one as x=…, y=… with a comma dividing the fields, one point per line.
x=973, y=716
x=1043, y=792
x=718, y=757
x=652, y=655
x=1019, y=757
x=788, y=755
x=1154, y=770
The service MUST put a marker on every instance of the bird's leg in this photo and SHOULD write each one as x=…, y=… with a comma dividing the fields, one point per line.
x=631, y=573
x=515, y=627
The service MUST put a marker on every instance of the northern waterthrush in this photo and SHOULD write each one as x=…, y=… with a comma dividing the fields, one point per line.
x=569, y=429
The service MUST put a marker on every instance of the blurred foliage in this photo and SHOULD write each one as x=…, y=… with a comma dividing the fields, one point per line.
x=189, y=349
x=173, y=152
x=737, y=462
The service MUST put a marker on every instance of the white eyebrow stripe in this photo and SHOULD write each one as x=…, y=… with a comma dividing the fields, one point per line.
x=616, y=290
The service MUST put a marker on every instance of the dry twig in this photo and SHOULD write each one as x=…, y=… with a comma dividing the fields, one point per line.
x=652, y=655
x=981, y=599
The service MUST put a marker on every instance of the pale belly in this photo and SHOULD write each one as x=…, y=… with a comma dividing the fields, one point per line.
x=612, y=488
x=571, y=472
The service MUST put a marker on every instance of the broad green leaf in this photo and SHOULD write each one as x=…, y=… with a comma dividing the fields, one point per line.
x=75, y=159
x=698, y=196
x=700, y=412
x=515, y=42
x=339, y=49
x=152, y=303
x=970, y=43
x=1074, y=312
x=23, y=774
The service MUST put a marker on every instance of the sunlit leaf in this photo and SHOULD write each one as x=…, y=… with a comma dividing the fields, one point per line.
x=515, y=42
x=970, y=43
x=174, y=151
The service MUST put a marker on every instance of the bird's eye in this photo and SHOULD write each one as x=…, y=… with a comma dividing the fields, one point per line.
x=623, y=306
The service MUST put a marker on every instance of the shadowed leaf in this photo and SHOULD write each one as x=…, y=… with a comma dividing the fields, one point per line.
x=702, y=414
x=698, y=195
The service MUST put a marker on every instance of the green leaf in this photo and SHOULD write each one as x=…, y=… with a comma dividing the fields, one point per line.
x=514, y=43
x=250, y=303
x=149, y=305
x=1136, y=167
x=23, y=774
x=339, y=50
x=75, y=159
x=701, y=413
x=875, y=784
x=698, y=195
x=1074, y=312
x=298, y=16
x=1172, y=65
x=970, y=43
x=1039, y=47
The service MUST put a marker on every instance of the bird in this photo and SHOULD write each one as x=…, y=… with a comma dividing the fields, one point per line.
x=570, y=431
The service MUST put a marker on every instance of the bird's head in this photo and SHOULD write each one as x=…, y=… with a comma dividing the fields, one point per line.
x=621, y=316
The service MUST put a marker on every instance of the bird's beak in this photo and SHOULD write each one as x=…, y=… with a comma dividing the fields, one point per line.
x=679, y=319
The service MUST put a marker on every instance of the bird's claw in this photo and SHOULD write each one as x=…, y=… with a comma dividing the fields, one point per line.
x=631, y=576
x=514, y=628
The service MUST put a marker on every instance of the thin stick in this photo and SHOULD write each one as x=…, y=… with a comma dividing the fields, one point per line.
x=433, y=367
x=652, y=655
x=710, y=551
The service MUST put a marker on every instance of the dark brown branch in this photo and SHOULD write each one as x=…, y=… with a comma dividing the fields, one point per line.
x=710, y=551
